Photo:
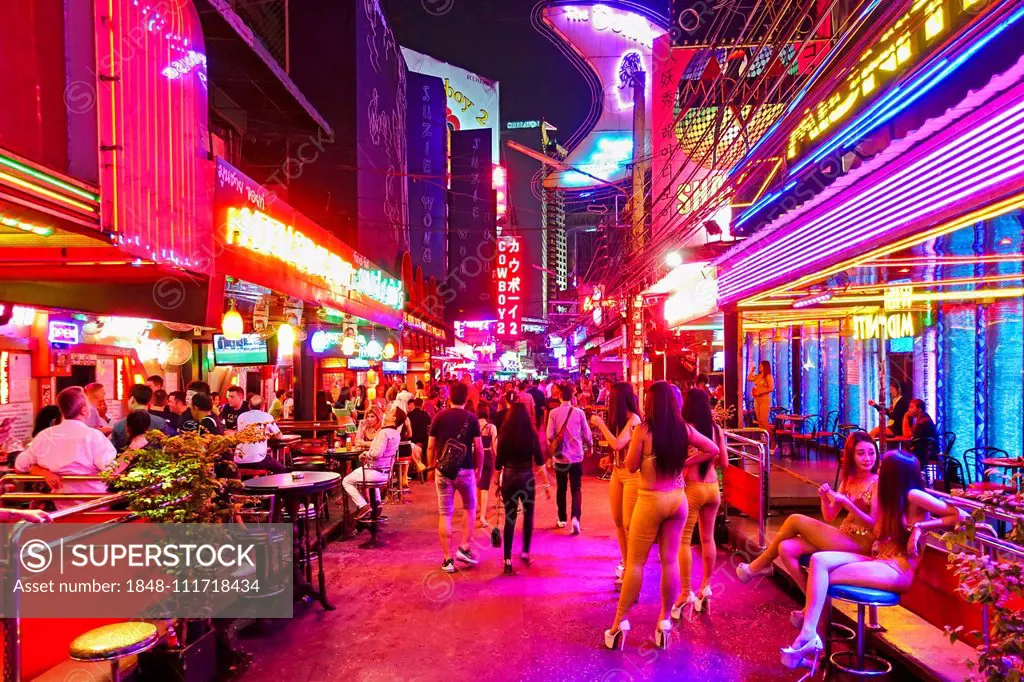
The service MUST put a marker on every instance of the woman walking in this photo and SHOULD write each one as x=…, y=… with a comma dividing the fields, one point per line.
x=623, y=417
x=703, y=499
x=764, y=386
x=519, y=458
x=658, y=450
x=489, y=436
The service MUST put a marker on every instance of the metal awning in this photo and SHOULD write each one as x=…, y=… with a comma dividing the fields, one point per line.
x=241, y=66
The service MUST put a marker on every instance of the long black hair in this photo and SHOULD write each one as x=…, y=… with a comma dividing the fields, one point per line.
x=48, y=416
x=621, y=406
x=697, y=413
x=669, y=441
x=518, y=439
x=897, y=476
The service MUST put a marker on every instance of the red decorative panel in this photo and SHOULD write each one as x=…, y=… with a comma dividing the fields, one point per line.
x=155, y=167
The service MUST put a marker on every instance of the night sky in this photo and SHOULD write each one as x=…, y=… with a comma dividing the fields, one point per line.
x=495, y=38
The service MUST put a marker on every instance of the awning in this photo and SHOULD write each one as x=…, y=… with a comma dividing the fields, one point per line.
x=241, y=66
x=960, y=161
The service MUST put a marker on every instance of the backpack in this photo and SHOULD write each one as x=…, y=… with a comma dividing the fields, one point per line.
x=449, y=462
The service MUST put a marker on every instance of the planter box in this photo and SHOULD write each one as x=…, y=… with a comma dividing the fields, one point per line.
x=197, y=662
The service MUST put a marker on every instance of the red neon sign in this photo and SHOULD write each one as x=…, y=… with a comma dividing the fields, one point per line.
x=509, y=278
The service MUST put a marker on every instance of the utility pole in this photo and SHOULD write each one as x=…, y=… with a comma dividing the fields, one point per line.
x=631, y=73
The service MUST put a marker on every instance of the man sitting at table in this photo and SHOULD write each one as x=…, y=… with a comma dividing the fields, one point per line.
x=254, y=455
x=895, y=412
x=919, y=426
x=377, y=461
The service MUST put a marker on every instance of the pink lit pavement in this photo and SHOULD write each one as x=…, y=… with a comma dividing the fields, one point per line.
x=398, y=617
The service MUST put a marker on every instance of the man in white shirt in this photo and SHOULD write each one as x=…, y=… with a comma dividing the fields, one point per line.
x=403, y=398
x=254, y=455
x=568, y=425
x=71, y=448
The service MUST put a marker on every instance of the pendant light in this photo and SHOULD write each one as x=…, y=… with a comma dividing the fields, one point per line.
x=286, y=336
x=232, y=325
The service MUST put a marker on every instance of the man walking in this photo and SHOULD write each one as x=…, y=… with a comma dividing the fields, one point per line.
x=569, y=435
x=456, y=423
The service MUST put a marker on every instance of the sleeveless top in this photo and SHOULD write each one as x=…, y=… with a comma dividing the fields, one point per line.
x=852, y=525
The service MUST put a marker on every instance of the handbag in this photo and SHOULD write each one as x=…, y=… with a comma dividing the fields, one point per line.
x=555, y=444
x=449, y=463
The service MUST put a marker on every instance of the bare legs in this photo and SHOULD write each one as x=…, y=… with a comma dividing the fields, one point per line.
x=819, y=535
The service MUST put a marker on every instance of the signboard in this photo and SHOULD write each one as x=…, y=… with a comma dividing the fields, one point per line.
x=248, y=350
x=395, y=367
x=913, y=35
x=64, y=332
x=522, y=125
x=472, y=230
x=428, y=150
x=612, y=41
x=251, y=220
x=897, y=322
x=381, y=142
x=472, y=99
x=509, y=288
x=358, y=364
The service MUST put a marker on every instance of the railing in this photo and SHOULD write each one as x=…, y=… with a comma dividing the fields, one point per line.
x=13, y=496
x=749, y=446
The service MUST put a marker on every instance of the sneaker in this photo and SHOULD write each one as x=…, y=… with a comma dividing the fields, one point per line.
x=448, y=565
x=575, y=526
x=620, y=570
x=467, y=556
x=561, y=524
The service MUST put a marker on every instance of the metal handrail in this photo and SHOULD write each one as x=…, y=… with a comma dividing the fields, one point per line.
x=973, y=505
x=764, y=466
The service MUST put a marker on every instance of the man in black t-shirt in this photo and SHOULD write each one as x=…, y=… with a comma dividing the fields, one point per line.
x=199, y=418
x=919, y=426
x=457, y=423
x=236, y=406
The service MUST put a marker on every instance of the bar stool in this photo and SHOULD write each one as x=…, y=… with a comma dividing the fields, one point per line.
x=112, y=643
x=373, y=491
x=857, y=663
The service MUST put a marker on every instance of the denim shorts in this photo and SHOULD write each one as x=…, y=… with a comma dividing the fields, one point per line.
x=465, y=484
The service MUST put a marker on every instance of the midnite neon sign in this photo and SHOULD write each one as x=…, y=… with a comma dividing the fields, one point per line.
x=256, y=231
x=909, y=37
x=603, y=18
x=897, y=322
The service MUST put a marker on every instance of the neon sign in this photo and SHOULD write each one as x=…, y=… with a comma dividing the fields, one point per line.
x=522, y=125
x=897, y=322
x=63, y=332
x=183, y=66
x=603, y=18
x=256, y=231
x=912, y=35
x=508, y=273
x=608, y=157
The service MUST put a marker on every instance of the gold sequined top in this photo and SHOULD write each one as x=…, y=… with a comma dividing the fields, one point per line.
x=853, y=525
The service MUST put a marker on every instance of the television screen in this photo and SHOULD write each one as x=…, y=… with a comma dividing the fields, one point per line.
x=718, y=362
x=249, y=350
x=396, y=367
x=358, y=364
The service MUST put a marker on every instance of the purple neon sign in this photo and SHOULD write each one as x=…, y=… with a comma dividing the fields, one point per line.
x=984, y=156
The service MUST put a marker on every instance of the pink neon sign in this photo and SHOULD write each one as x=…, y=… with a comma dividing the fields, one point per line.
x=984, y=156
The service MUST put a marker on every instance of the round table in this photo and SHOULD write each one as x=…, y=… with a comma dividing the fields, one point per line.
x=1010, y=463
x=294, y=491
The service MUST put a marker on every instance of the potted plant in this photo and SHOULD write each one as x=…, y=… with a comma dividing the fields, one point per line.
x=994, y=584
x=187, y=478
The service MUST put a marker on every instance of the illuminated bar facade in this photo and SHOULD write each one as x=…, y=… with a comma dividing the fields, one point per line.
x=892, y=248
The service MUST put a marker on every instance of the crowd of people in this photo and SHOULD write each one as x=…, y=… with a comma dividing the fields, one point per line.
x=477, y=437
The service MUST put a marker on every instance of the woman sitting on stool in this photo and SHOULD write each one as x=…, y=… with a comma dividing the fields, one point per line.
x=801, y=534
x=900, y=517
x=377, y=461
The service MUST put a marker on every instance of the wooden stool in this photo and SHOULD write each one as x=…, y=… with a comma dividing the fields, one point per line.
x=114, y=642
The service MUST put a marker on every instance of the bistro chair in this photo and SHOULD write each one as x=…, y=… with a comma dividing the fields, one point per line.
x=374, y=492
x=927, y=451
x=398, y=488
x=806, y=433
x=781, y=429
x=948, y=439
x=827, y=430
x=975, y=470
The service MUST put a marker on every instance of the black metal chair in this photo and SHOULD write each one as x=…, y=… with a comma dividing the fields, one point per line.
x=948, y=439
x=975, y=469
x=826, y=434
x=927, y=451
x=806, y=433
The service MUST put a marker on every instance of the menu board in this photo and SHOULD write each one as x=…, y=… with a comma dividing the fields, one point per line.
x=19, y=374
x=21, y=417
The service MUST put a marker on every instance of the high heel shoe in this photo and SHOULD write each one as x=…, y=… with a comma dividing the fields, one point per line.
x=703, y=600
x=617, y=639
x=746, y=574
x=661, y=635
x=792, y=658
x=679, y=610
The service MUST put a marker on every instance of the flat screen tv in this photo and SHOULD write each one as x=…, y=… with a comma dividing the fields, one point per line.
x=249, y=350
x=718, y=361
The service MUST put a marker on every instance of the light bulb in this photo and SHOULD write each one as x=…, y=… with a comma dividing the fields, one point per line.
x=232, y=324
x=286, y=335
